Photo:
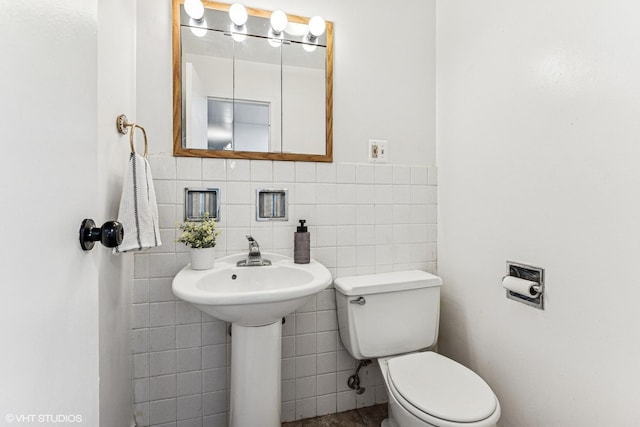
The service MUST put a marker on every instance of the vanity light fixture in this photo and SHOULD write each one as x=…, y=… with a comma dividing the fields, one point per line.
x=238, y=14
x=317, y=27
x=275, y=40
x=198, y=27
x=279, y=22
x=309, y=47
x=239, y=34
x=195, y=9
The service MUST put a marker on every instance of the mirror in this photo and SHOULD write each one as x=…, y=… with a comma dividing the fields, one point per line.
x=247, y=92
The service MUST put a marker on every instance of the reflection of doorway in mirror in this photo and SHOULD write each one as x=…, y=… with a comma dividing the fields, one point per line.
x=240, y=125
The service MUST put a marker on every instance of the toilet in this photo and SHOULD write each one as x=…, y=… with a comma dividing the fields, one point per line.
x=392, y=317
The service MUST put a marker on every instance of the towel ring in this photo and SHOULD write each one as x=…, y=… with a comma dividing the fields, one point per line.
x=144, y=133
x=123, y=127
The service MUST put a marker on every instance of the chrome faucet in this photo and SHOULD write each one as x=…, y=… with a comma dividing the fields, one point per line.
x=254, y=258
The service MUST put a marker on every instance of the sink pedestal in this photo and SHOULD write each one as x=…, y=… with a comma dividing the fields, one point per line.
x=255, y=375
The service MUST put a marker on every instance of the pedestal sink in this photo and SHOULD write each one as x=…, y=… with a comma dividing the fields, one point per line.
x=254, y=300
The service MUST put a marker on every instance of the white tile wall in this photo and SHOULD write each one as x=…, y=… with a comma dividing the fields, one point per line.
x=363, y=219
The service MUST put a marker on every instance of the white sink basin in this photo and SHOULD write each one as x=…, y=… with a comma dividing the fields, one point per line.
x=251, y=296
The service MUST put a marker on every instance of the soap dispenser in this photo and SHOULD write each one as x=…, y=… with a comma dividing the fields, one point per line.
x=302, y=244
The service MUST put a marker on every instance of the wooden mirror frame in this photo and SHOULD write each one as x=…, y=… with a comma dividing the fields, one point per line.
x=180, y=151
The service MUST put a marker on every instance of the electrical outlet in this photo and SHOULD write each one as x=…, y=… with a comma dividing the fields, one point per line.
x=378, y=151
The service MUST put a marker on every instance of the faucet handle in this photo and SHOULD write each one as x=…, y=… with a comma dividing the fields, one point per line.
x=254, y=247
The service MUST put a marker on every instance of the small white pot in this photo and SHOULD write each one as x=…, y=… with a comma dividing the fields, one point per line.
x=202, y=258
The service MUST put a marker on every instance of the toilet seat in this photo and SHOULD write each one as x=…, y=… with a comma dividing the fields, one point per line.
x=440, y=391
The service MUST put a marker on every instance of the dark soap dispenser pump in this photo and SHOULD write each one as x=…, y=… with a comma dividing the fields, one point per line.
x=302, y=244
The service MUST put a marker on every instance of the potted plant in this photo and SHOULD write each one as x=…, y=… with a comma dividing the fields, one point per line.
x=201, y=238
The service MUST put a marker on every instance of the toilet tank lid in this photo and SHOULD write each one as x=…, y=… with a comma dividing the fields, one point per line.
x=386, y=282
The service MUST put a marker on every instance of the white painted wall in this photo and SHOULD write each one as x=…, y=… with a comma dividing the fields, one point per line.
x=383, y=88
x=48, y=176
x=538, y=145
x=65, y=314
x=116, y=95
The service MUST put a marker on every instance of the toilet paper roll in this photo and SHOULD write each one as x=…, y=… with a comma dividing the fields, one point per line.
x=520, y=286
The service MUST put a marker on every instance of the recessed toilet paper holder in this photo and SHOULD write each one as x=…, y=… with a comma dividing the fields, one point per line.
x=534, y=293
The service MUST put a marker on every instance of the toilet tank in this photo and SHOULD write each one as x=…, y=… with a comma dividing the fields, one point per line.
x=390, y=313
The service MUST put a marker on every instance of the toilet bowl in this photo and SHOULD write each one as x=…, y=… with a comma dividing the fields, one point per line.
x=393, y=317
x=427, y=389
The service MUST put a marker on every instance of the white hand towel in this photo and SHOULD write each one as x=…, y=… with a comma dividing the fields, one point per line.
x=138, y=208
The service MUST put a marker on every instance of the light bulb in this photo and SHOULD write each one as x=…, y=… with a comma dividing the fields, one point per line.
x=317, y=26
x=198, y=28
x=238, y=14
x=309, y=47
x=238, y=34
x=275, y=41
x=194, y=8
x=279, y=21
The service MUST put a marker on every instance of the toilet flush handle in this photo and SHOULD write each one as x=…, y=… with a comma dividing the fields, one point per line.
x=359, y=301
